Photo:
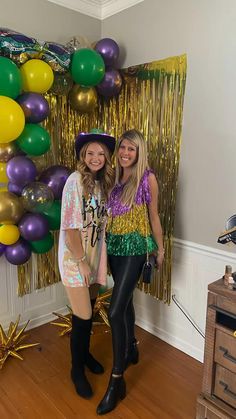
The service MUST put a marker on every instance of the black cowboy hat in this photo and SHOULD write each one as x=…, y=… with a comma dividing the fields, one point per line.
x=95, y=135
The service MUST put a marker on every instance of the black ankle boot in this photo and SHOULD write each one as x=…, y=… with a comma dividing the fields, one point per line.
x=78, y=344
x=116, y=391
x=132, y=356
x=92, y=364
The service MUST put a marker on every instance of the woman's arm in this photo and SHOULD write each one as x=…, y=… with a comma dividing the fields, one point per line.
x=74, y=244
x=154, y=218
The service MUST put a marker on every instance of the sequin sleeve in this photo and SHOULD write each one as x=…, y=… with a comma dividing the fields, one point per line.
x=71, y=216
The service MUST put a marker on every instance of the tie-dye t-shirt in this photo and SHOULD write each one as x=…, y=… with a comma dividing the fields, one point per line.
x=88, y=216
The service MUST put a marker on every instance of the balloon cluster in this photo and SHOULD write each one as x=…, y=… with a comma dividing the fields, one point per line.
x=20, y=48
x=30, y=204
x=93, y=72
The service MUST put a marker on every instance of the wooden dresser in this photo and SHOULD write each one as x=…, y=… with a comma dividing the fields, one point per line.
x=218, y=397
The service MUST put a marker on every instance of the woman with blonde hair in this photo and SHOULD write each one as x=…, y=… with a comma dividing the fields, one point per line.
x=133, y=229
x=82, y=251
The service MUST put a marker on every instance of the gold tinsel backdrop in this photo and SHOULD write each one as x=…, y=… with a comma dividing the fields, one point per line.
x=151, y=100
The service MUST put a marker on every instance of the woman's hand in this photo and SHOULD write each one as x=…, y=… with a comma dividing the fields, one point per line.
x=160, y=258
x=85, y=271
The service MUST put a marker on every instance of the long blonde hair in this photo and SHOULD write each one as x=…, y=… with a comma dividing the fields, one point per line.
x=138, y=168
x=106, y=175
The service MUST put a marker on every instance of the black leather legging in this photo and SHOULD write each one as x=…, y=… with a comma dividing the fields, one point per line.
x=126, y=271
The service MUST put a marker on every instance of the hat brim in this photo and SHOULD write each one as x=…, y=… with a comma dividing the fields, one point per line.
x=84, y=138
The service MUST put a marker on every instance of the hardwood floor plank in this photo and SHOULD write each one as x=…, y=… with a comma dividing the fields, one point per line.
x=7, y=409
x=164, y=385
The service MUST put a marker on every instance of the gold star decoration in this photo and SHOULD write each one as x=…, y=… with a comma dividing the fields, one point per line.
x=102, y=305
x=11, y=342
x=66, y=322
x=100, y=317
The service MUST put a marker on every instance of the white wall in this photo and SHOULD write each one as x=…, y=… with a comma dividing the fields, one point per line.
x=46, y=21
x=206, y=31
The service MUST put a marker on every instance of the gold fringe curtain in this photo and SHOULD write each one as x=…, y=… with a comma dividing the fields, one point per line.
x=151, y=100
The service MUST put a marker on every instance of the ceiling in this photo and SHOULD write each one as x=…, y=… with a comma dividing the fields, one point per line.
x=100, y=9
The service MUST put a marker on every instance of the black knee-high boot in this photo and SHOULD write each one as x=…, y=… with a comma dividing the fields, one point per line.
x=90, y=361
x=79, y=339
x=116, y=391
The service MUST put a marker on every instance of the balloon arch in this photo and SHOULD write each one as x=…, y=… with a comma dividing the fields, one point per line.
x=30, y=191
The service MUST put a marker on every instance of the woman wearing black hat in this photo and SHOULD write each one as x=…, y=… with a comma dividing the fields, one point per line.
x=82, y=252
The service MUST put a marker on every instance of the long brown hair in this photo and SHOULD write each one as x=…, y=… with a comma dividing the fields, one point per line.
x=106, y=175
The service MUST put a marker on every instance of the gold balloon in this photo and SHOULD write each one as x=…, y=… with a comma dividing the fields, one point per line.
x=3, y=172
x=7, y=151
x=83, y=99
x=11, y=208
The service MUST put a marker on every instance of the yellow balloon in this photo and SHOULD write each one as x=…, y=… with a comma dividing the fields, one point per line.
x=3, y=173
x=9, y=234
x=12, y=119
x=37, y=76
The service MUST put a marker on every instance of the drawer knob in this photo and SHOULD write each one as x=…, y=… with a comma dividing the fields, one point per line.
x=227, y=355
x=227, y=391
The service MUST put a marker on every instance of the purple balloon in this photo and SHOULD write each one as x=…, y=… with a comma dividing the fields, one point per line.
x=2, y=248
x=21, y=170
x=33, y=226
x=109, y=51
x=35, y=107
x=55, y=177
x=111, y=84
x=18, y=253
x=14, y=188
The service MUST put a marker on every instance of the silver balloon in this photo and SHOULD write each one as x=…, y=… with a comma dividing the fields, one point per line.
x=37, y=197
x=78, y=42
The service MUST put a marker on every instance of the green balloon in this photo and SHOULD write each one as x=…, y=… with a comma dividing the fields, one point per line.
x=53, y=215
x=10, y=78
x=87, y=67
x=44, y=245
x=34, y=140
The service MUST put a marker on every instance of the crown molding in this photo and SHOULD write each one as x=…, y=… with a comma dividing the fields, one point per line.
x=99, y=9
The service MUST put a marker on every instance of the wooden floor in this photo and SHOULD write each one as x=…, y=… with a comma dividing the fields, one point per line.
x=163, y=385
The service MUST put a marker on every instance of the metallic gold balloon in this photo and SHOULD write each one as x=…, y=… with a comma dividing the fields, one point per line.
x=3, y=172
x=7, y=151
x=83, y=99
x=11, y=208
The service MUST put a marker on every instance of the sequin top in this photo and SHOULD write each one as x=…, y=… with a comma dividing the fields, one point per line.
x=128, y=229
x=88, y=216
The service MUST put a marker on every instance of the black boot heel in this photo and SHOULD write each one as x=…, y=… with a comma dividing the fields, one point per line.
x=133, y=355
x=116, y=391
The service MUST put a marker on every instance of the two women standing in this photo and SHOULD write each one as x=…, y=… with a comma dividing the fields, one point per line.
x=133, y=229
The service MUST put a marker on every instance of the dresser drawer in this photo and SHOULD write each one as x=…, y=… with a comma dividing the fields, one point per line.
x=207, y=409
x=225, y=350
x=225, y=385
